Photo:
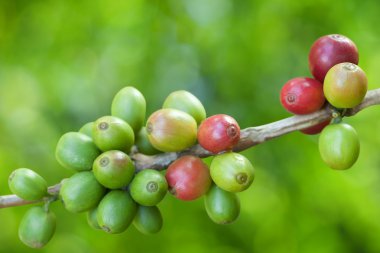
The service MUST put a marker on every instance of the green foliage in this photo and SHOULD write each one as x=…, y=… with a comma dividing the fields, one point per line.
x=61, y=63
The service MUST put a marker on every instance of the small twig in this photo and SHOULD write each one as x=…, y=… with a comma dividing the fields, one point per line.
x=252, y=136
x=249, y=137
x=13, y=200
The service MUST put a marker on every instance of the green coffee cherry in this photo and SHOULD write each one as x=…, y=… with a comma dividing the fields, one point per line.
x=87, y=129
x=112, y=133
x=143, y=144
x=113, y=169
x=148, y=187
x=37, y=227
x=222, y=207
x=232, y=172
x=81, y=192
x=116, y=211
x=148, y=220
x=129, y=104
x=27, y=184
x=76, y=151
x=92, y=219
x=185, y=101
x=339, y=146
x=171, y=130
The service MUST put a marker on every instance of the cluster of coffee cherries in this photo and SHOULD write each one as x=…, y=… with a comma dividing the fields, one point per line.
x=338, y=79
x=116, y=194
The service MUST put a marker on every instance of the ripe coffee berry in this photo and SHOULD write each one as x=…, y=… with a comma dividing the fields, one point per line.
x=188, y=178
x=218, y=133
x=330, y=50
x=316, y=129
x=302, y=95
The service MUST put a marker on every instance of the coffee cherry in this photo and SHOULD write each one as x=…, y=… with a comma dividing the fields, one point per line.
x=87, y=129
x=339, y=146
x=218, y=133
x=81, y=192
x=222, y=207
x=112, y=133
x=92, y=219
x=302, y=95
x=116, y=211
x=330, y=50
x=185, y=101
x=232, y=172
x=188, y=178
x=37, y=227
x=148, y=187
x=129, y=105
x=143, y=144
x=316, y=129
x=113, y=169
x=76, y=151
x=171, y=130
x=345, y=85
x=148, y=220
x=27, y=184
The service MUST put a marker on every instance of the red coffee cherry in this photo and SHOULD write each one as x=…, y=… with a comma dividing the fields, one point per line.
x=218, y=133
x=316, y=129
x=302, y=95
x=188, y=178
x=330, y=50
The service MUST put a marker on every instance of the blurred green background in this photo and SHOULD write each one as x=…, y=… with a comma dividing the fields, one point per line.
x=61, y=62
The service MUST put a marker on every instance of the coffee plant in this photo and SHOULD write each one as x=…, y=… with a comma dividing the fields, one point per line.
x=124, y=168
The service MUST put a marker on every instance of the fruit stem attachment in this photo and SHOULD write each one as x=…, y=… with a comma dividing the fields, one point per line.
x=337, y=115
x=48, y=201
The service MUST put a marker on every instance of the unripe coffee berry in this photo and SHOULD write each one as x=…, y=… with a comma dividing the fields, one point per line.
x=27, y=184
x=81, y=192
x=76, y=151
x=171, y=130
x=92, y=219
x=148, y=220
x=130, y=105
x=37, y=227
x=232, y=172
x=218, y=133
x=302, y=95
x=143, y=144
x=185, y=101
x=222, y=207
x=339, y=146
x=330, y=50
x=345, y=85
x=188, y=178
x=87, y=129
x=113, y=133
x=116, y=211
x=148, y=187
x=113, y=169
